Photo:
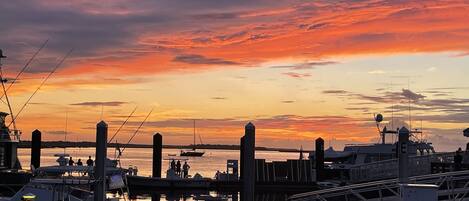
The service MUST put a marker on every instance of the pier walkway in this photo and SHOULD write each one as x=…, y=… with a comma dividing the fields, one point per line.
x=452, y=186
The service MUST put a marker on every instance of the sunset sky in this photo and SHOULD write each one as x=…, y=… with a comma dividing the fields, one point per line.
x=297, y=69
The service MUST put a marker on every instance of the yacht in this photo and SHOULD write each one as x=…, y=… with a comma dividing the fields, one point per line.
x=64, y=182
x=13, y=177
x=353, y=155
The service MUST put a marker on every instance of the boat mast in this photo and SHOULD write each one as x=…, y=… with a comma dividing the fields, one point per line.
x=66, y=129
x=194, y=137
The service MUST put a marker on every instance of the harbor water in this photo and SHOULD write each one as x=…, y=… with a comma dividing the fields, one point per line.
x=141, y=158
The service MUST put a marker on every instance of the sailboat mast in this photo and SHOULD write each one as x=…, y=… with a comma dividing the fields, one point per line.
x=194, y=136
x=66, y=129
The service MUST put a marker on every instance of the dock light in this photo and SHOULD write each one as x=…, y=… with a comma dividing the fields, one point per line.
x=28, y=197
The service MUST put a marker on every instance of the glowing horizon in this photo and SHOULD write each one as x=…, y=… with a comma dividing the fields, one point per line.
x=298, y=70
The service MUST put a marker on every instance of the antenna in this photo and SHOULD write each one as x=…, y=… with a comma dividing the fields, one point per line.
x=410, y=108
x=392, y=109
x=421, y=130
x=42, y=83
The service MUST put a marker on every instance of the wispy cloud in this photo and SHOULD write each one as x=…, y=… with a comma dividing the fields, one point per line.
x=437, y=109
x=297, y=75
x=306, y=65
x=335, y=92
x=412, y=95
x=94, y=104
x=199, y=59
x=219, y=98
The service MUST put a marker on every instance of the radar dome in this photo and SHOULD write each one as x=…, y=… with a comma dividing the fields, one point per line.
x=379, y=118
x=466, y=132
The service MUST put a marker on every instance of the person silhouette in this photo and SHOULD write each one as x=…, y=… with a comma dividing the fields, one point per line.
x=185, y=169
x=178, y=168
x=71, y=162
x=173, y=165
x=79, y=163
x=90, y=161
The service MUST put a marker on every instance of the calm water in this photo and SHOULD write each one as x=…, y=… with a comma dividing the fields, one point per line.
x=207, y=165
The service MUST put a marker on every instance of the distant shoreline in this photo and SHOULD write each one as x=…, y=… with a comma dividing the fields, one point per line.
x=62, y=144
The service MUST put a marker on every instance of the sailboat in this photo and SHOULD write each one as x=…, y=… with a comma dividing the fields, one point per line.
x=192, y=152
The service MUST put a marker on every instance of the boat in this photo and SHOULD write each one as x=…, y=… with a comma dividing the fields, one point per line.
x=65, y=182
x=192, y=152
x=340, y=165
x=13, y=177
x=11, y=172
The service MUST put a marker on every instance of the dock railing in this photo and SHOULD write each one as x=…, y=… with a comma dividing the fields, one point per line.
x=386, y=169
x=452, y=186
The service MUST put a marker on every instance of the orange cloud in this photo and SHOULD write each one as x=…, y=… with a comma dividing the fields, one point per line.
x=129, y=40
x=252, y=35
x=307, y=31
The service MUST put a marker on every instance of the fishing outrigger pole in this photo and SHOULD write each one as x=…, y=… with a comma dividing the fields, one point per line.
x=3, y=81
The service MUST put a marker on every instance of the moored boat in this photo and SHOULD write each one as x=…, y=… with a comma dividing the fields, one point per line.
x=192, y=152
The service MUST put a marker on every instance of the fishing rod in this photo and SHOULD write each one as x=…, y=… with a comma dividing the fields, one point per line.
x=24, y=68
x=136, y=131
x=122, y=125
x=42, y=83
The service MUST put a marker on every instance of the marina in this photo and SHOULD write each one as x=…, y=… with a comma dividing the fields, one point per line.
x=234, y=100
x=324, y=169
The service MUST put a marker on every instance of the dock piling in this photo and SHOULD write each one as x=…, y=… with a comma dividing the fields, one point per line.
x=403, y=155
x=319, y=155
x=101, y=155
x=249, y=162
x=36, y=149
x=157, y=155
x=241, y=158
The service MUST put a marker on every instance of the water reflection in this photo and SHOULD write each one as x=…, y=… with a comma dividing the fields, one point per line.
x=205, y=196
x=182, y=196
